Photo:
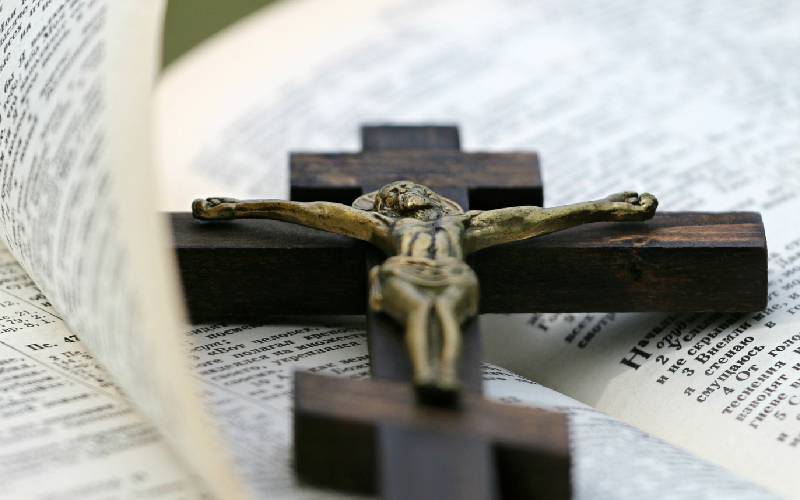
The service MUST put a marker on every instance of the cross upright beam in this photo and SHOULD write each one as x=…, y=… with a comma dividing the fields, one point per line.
x=430, y=155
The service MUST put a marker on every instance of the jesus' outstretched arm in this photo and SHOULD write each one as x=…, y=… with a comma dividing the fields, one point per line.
x=493, y=227
x=331, y=217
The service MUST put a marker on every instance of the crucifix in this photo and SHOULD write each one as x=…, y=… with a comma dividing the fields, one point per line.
x=441, y=439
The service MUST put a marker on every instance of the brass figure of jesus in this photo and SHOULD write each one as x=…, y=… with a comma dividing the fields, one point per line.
x=424, y=283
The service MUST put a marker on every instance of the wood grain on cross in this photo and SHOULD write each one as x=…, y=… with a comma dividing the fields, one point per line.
x=369, y=436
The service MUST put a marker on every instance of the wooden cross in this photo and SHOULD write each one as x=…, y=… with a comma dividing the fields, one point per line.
x=371, y=436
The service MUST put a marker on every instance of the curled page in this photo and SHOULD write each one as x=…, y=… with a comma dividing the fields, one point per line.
x=77, y=205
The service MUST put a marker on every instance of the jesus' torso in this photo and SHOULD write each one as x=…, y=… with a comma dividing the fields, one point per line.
x=429, y=254
x=439, y=239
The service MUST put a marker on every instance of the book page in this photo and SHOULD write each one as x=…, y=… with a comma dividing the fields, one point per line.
x=67, y=432
x=247, y=374
x=697, y=103
x=77, y=205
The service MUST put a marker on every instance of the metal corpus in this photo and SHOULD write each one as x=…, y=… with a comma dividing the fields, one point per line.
x=425, y=283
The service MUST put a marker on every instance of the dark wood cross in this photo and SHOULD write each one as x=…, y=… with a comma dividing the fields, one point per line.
x=372, y=436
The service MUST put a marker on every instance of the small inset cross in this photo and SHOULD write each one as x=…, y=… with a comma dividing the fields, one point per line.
x=672, y=263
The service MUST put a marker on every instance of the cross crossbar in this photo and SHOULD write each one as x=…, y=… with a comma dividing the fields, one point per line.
x=232, y=272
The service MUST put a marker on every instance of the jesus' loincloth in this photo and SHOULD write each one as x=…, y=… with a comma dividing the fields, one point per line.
x=421, y=281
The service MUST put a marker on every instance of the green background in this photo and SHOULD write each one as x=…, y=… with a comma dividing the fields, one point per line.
x=191, y=21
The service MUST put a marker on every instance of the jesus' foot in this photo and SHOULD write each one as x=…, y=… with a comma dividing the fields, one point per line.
x=441, y=391
x=436, y=395
x=214, y=208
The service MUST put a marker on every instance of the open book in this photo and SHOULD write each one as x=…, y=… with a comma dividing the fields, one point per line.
x=107, y=392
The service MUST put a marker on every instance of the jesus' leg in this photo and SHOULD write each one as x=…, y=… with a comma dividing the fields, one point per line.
x=411, y=307
x=451, y=344
x=453, y=306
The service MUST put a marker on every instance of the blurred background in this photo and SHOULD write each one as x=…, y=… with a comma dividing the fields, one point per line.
x=191, y=21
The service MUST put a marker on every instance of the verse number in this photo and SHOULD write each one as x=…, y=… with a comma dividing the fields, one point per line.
x=71, y=338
